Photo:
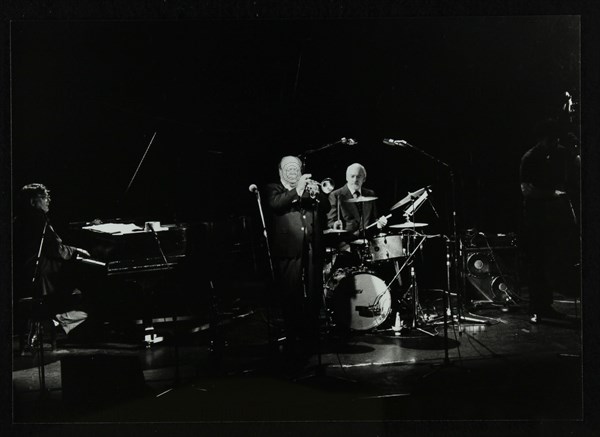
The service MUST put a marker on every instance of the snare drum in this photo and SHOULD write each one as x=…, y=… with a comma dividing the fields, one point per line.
x=358, y=299
x=360, y=249
x=385, y=247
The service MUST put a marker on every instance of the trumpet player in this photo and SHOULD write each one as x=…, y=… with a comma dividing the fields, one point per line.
x=298, y=209
x=353, y=217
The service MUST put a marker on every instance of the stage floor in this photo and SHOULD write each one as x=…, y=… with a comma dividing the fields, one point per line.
x=505, y=369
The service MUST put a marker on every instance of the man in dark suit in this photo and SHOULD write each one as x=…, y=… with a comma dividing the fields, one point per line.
x=354, y=217
x=298, y=215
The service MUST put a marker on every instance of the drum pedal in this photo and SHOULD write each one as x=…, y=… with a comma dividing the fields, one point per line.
x=150, y=337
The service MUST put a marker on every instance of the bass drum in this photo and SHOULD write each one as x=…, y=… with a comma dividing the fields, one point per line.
x=357, y=299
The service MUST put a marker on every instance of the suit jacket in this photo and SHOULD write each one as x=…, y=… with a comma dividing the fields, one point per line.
x=349, y=212
x=292, y=219
x=29, y=229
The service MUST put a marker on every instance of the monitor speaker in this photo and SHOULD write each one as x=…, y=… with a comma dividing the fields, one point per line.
x=491, y=273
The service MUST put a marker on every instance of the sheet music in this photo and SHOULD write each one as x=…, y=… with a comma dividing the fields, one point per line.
x=115, y=228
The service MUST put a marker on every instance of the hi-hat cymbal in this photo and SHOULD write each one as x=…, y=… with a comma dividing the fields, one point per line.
x=409, y=225
x=361, y=199
x=335, y=231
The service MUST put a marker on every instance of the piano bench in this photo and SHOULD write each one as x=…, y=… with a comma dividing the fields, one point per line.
x=32, y=321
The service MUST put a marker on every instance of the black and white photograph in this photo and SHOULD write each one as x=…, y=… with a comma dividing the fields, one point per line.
x=227, y=216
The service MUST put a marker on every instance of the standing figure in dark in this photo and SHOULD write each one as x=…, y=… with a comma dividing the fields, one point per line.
x=550, y=233
x=298, y=215
x=40, y=259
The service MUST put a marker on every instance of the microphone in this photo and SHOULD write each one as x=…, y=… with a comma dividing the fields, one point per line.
x=253, y=188
x=391, y=142
x=349, y=141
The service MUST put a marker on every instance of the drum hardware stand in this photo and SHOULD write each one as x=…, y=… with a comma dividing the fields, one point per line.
x=417, y=311
x=362, y=232
x=416, y=203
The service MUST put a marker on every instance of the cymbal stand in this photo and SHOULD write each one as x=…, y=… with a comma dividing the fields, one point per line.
x=417, y=311
x=446, y=304
x=409, y=213
x=362, y=233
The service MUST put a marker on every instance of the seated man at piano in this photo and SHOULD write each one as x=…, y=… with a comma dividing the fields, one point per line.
x=354, y=208
x=40, y=258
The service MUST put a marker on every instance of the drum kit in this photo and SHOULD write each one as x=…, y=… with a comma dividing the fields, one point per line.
x=356, y=293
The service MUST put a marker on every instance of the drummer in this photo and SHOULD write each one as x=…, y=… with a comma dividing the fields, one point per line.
x=348, y=210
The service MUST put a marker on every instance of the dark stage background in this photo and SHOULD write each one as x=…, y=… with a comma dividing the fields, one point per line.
x=228, y=98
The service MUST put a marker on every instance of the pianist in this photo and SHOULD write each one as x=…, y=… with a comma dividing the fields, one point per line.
x=40, y=258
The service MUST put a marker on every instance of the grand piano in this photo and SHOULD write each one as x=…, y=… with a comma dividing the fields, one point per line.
x=125, y=248
x=135, y=271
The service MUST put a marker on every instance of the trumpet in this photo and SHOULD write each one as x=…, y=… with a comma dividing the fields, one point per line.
x=326, y=185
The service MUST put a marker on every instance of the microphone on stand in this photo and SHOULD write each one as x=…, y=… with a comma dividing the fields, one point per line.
x=254, y=189
x=349, y=141
x=392, y=142
x=343, y=140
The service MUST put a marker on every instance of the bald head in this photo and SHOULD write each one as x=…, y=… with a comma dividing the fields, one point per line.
x=356, y=175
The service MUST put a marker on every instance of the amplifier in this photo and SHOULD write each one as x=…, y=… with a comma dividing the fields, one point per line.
x=490, y=267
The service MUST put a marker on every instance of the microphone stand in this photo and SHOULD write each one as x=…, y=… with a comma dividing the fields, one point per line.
x=314, y=304
x=271, y=269
x=344, y=140
x=459, y=295
x=447, y=307
x=37, y=326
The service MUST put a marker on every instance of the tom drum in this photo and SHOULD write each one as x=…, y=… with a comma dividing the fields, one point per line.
x=385, y=247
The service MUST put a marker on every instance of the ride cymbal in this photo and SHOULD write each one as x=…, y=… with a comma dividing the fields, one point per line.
x=362, y=199
x=335, y=231
x=409, y=225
